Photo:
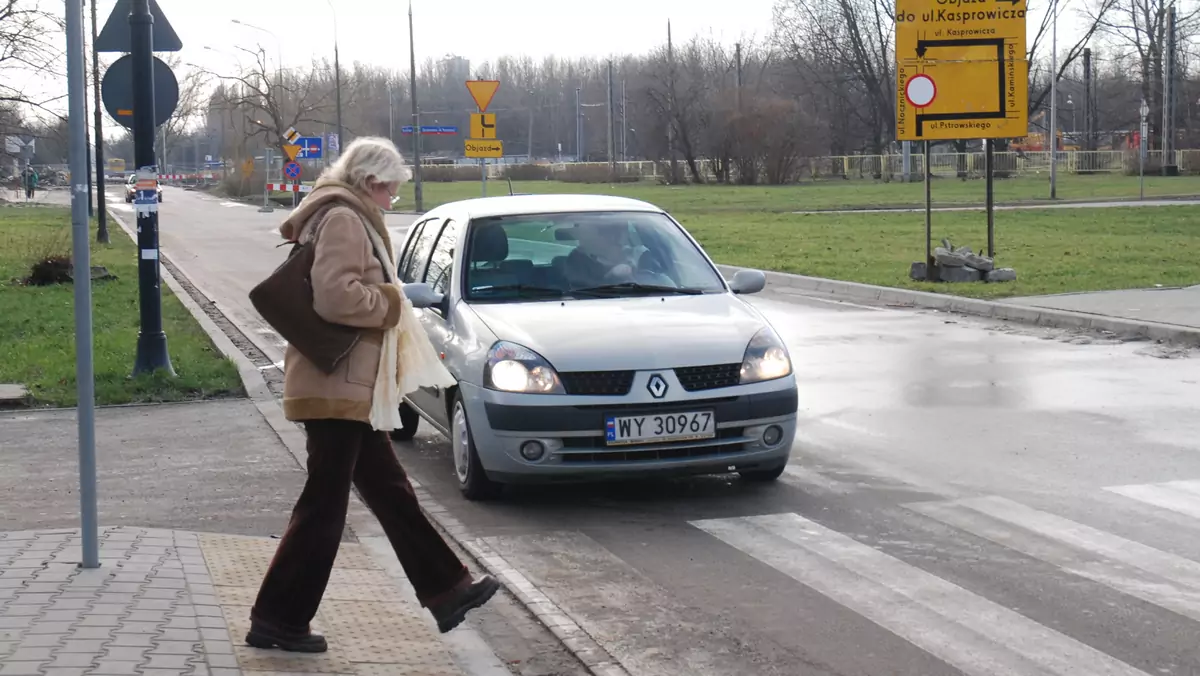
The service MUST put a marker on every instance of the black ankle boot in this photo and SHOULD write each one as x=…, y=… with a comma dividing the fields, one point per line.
x=450, y=613
x=266, y=635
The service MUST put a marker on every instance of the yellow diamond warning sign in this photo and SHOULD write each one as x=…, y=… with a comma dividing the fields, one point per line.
x=961, y=69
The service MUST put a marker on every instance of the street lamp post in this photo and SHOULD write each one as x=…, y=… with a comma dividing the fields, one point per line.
x=1053, y=142
x=337, y=74
x=1144, y=110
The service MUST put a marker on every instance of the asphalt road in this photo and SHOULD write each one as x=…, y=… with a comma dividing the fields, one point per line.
x=964, y=498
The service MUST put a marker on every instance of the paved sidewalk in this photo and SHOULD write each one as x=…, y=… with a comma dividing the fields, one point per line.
x=176, y=603
x=1179, y=306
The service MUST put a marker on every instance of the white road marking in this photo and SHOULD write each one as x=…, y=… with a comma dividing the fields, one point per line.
x=963, y=629
x=1176, y=496
x=1155, y=576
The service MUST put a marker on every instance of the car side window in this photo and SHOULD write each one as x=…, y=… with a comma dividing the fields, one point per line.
x=406, y=257
x=441, y=263
x=422, y=244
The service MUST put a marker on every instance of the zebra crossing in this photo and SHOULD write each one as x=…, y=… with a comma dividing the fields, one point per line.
x=962, y=623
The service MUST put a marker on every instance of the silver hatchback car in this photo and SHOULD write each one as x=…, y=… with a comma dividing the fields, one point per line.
x=591, y=338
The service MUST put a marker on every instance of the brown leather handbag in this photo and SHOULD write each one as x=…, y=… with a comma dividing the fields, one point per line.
x=285, y=301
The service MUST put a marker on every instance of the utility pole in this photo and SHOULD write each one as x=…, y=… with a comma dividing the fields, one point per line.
x=81, y=259
x=1169, y=167
x=671, y=106
x=578, y=125
x=530, y=149
x=416, y=115
x=337, y=75
x=612, y=158
x=1052, y=142
x=152, y=341
x=738, y=90
x=624, y=125
x=391, y=114
x=1089, y=139
x=101, y=214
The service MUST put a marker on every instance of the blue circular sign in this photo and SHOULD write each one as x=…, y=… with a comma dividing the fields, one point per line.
x=292, y=170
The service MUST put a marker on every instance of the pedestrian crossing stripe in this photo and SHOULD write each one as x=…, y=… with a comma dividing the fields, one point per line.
x=965, y=630
x=1176, y=496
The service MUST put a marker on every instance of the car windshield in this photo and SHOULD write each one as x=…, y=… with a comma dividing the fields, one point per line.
x=583, y=255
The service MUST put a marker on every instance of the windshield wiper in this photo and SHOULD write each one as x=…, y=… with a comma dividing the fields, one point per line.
x=638, y=286
x=520, y=288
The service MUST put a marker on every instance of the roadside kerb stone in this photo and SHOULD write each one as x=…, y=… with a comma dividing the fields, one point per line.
x=1063, y=319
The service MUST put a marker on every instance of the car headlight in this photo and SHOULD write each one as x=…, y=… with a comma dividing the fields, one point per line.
x=766, y=358
x=514, y=368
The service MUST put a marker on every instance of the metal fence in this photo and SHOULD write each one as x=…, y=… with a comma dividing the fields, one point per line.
x=888, y=167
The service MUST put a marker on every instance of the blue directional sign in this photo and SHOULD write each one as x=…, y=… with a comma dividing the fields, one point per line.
x=431, y=130
x=311, y=148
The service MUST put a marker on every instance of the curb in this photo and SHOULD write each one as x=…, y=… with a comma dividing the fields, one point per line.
x=1035, y=316
x=574, y=638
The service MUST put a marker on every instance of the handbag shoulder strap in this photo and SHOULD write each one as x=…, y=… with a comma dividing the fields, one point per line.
x=319, y=217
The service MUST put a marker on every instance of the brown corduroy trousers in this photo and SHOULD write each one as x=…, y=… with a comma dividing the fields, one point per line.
x=341, y=453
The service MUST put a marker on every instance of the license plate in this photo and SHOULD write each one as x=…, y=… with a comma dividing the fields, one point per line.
x=659, y=428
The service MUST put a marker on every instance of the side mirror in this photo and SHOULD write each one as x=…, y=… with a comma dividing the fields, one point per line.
x=748, y=281
x=422, y=295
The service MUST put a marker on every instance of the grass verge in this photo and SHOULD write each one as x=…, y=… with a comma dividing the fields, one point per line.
x=37, y=334
x=828, y=194
x=1053, y=251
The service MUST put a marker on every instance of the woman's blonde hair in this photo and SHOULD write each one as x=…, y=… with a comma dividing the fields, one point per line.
x=369, y=157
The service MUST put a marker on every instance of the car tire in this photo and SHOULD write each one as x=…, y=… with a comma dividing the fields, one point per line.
x=410, y=420
x=763, y=475
x=472, y=479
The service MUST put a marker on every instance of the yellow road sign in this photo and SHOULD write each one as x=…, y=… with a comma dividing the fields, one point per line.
x=479, y=148
x=961, y=69
x=483, y=125
x=248, y=166
x=483, y=91
x=292, y=151
x=291, y=135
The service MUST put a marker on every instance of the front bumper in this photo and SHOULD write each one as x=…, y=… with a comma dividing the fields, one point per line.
x=572, y=429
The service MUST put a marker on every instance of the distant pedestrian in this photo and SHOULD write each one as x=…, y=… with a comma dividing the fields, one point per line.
x=347, y=413
x=30, y=180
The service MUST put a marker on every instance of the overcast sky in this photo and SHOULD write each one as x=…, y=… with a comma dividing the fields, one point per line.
x=376, y=32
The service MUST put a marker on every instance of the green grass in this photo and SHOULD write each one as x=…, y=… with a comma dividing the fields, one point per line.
x=1053, y=251
x=830, y=194
x=37, y=338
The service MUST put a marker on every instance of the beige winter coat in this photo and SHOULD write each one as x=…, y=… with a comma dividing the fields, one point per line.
x=348, y=288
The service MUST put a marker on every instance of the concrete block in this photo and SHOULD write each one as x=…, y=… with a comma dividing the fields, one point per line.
x=958, y=274
x=1002, y=275
x=13, y=394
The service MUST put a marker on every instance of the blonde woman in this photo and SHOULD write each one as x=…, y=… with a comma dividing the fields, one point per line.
x=347, y=413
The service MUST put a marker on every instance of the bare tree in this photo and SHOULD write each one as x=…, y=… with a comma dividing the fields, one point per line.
x=29, y=39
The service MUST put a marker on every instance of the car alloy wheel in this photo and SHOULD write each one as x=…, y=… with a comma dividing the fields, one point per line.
x=472, y=480
x=462, y=444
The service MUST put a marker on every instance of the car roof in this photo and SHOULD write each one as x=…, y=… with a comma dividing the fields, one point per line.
x=516, y=205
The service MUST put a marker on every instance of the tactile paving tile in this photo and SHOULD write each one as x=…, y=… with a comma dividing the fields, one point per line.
x=363, y=592
x=354, y=556
x=236, y=596
x=384, y=633
x=403, y=670
x=253, y=659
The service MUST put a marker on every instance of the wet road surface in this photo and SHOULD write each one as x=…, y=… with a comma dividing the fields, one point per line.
x=964, y=497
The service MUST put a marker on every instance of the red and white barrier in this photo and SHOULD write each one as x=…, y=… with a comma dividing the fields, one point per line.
x=288, y=187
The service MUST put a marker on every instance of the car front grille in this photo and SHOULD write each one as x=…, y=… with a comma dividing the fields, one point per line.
x=597, y=383
x=700, y=378
x=579, y=450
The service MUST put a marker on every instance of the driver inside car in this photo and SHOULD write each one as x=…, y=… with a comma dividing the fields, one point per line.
x=602, y=256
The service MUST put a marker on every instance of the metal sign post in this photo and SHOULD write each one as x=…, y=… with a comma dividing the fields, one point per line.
x=268, y=164
x=152, y=341
x=82, y=267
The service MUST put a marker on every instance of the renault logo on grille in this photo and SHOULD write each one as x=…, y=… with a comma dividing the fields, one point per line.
x=657, y=386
